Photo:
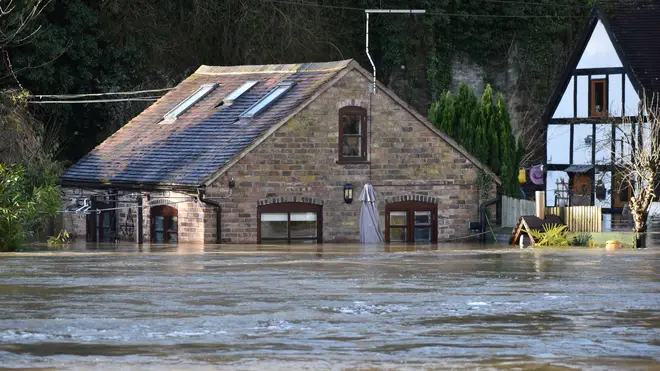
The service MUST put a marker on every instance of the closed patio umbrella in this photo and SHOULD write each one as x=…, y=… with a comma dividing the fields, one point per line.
x=370, y=232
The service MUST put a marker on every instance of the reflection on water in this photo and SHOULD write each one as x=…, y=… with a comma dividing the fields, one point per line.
x=329, y=307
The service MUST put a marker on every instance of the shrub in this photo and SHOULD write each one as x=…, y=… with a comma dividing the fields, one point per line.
x=24, y=207
x=581, y=239
x=554, y=235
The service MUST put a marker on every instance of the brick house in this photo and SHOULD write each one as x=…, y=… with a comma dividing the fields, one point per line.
x=265, y=154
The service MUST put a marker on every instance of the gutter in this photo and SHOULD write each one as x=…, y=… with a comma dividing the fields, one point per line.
x=130, y=186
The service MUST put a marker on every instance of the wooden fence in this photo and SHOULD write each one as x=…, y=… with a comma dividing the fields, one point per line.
x=514, y=208
x=580, y=218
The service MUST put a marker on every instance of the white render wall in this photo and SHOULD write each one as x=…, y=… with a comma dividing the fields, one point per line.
x=599, y=51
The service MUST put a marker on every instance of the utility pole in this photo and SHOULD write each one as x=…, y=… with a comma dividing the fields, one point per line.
x=381, y=11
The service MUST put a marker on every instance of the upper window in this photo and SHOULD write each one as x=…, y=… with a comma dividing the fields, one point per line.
x=269, y=98
x=352, y=134
x=598, y=92
x=164, y=224
x=411, y=221
x=195, y=97
x=290, y=223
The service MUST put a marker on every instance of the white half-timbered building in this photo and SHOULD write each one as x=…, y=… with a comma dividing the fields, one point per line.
x=616, y=59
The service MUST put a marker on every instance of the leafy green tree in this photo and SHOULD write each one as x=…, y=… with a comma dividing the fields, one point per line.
x=29, y=176
x=23, y=207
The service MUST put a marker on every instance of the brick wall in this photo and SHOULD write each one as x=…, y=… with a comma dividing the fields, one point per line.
x=74, y=223
x=191, y=215
x=407, y=160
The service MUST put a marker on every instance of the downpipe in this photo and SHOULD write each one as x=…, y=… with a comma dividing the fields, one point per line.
x=218, y=213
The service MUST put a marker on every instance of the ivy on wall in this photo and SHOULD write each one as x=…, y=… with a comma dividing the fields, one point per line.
x=495, y=35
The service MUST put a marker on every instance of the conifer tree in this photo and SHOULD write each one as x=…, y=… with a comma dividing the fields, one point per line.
x=483, y=128
x=489, y=117
x=448, y=115
x=481, y=145
x=465, y=130
x=435, y=112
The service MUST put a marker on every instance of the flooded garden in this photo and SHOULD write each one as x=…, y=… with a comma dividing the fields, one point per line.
x=329, y=307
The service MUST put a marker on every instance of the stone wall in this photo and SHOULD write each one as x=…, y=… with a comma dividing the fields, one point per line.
x=191, y=215
x=407, y=159
x=74, y=223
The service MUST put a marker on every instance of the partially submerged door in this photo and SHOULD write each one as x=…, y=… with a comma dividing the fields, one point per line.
x=101, y=224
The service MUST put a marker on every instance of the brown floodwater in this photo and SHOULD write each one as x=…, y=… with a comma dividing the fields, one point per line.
x=329, y=307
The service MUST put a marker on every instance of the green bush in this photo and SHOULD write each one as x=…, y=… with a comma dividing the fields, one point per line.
x=553, y=235
x=581, y=239
x=24, y=206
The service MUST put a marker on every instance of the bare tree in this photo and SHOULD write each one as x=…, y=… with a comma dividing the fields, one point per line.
x=22, y=138
x=17, y=25
x=639, y=168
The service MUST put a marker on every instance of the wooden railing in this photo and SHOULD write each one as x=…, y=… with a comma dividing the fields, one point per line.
x=579, y=218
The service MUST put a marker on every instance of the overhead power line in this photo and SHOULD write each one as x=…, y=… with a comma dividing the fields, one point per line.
x=465, y=15
x=318, y=5
x=525, y=2
x=73, y=96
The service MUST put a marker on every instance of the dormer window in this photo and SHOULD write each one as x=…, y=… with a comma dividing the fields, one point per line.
x=182, y=107
x=598, y=93
x=352, y=134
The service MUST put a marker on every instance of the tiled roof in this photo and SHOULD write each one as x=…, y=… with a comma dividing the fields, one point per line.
x=206, y=136
x=636, y=27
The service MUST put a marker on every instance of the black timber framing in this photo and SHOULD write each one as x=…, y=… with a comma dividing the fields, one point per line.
x=578, y=50
x=599, y=71
x=571, y=72
x=595, y=120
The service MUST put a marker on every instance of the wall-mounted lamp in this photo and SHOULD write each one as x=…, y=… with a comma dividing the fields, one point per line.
x=348, y=193
x=232, y=183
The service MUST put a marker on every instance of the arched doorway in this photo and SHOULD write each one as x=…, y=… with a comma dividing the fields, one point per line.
x=164, y=224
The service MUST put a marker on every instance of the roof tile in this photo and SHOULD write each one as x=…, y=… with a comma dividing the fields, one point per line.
x=206, y=136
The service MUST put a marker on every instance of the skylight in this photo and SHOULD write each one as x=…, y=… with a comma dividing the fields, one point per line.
x=195, y=97
x=269, y=98
x=238, y=92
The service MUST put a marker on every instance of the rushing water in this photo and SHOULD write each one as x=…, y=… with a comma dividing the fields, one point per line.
x=329, y=307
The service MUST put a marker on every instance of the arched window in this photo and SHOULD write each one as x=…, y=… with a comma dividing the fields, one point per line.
x=411, y=221
x=164, y=224
x=290, y=223
x=352, y=134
